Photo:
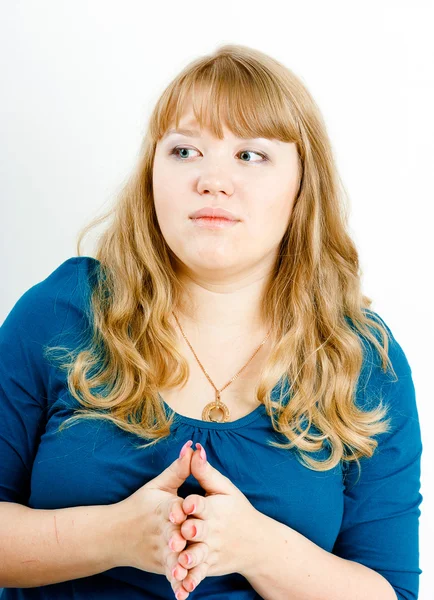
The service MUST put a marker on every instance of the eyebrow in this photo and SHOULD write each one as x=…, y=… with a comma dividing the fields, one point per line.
x=187, y=132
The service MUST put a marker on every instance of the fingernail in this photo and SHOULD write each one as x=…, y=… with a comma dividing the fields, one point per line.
x=184, y=448
x=192, y=509
x=189, y=559
x=177, y=595
x=171, y=544
x=202, y=451
x=173, y=572
x=172, y=517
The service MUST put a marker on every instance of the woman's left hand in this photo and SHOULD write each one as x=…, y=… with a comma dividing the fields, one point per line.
x=219, y=529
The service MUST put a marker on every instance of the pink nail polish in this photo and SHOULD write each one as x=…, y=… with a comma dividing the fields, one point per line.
x=184, y=448
x=202, y=451
x=192, y=510
x=173, y=572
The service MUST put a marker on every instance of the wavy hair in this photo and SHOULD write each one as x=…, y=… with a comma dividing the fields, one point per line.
x=318, y=313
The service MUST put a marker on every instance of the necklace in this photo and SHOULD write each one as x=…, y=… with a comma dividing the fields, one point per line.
x=217, y=411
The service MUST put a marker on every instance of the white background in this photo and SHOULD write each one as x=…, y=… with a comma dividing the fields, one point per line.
x=80, y=78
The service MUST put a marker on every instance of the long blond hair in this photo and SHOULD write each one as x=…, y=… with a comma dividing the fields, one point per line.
x=318, y=312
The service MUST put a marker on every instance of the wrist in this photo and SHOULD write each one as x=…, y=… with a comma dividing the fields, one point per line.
x=118, y=533
x=253, y=543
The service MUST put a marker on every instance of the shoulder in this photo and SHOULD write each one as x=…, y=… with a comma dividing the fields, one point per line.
x=45, y=308
x=393, y=389
x=72, y=278
x=69, y=282
x=372, y=364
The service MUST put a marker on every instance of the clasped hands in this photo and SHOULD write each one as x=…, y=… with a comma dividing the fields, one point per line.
x=217, y=527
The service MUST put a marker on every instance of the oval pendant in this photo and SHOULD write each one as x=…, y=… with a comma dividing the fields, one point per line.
x=217, y=412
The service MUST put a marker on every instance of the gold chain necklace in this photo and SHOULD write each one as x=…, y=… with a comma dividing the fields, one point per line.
x=217, y=411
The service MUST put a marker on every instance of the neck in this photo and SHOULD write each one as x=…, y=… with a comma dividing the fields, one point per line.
x=219, y=311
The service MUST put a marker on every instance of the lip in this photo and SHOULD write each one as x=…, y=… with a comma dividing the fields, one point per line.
x=214, y=213
x=213, y=223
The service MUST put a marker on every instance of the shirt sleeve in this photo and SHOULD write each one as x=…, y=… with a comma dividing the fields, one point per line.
x=34, y=321
x=380, y=526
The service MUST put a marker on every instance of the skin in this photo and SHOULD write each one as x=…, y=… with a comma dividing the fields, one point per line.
x=225, y=273
x=215, y=550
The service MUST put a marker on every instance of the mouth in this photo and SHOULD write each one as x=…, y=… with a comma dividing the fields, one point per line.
x=214, y=222
x=216, y=212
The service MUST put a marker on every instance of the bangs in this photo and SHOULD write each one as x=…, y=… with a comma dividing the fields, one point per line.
x=246, y=99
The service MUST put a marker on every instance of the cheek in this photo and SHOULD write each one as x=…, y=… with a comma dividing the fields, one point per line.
x=171, y=222
x=168, y=202
x=163, y=193
x=269, y=224
x=282, y=205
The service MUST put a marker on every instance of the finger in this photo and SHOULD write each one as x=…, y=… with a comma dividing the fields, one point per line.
x=172, y=533
x=173, y=569
x=180, y=592
x=177, y=572
x=194, y=530
x=178, y=589
x=198, y=552
x=195, y=576
x=174, y=511
x=176, y=473
x=195, y=505
x=175, y=540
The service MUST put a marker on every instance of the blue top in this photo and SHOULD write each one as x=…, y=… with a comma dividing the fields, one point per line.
x=374, y=521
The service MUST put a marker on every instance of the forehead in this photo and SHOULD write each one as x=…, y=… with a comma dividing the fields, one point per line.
x=220, y=112
x=196, y=132
x=190, y=127
x=200, y=115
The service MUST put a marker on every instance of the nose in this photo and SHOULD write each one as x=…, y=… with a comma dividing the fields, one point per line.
x=215, y=185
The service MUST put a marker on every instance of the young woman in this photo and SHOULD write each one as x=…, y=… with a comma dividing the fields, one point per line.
x=222, y=315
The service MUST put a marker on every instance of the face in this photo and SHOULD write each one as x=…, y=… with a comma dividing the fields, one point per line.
x=255, y=180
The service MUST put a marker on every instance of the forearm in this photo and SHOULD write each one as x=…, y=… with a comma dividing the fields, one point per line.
x=284, y=564
x=41, y=547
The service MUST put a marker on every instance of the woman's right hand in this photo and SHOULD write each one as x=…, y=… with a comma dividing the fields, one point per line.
x=148, y=527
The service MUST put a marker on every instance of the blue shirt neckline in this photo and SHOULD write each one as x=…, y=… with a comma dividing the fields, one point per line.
x=241, y=422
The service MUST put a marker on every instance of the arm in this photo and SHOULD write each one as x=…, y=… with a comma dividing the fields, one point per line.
x=376, y=552
x=41, y=547
x=285, y=564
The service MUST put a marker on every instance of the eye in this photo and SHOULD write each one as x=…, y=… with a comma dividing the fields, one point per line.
x=175, y=152
x=177, y=149
x=264, y=156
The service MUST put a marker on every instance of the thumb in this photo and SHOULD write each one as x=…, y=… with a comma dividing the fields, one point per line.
x=176, y=473
x=210, y=479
